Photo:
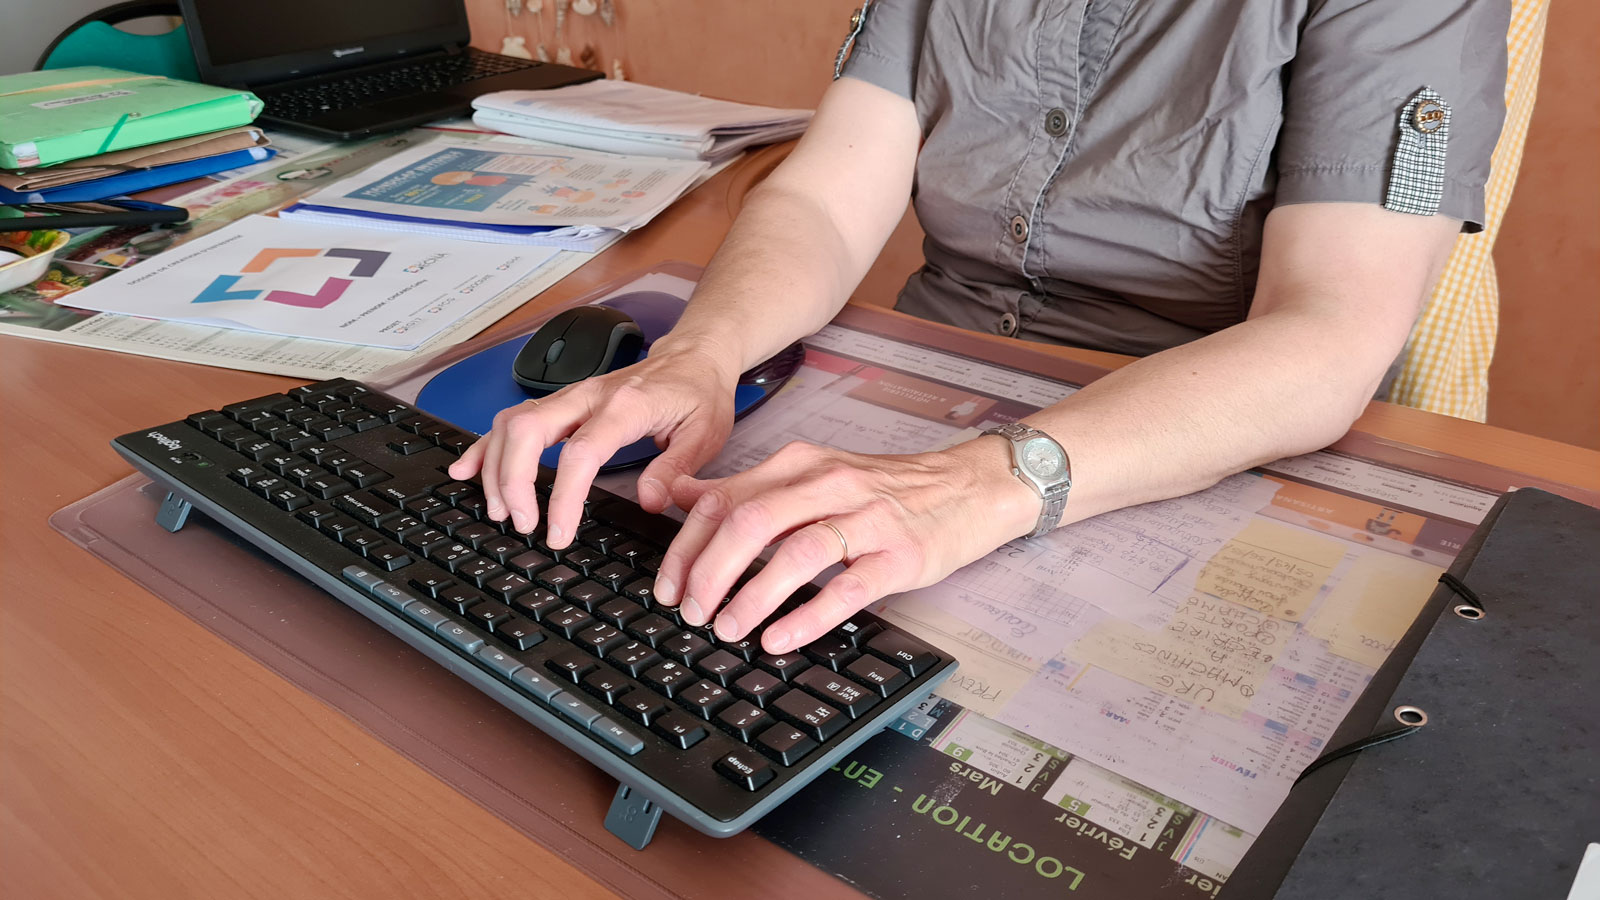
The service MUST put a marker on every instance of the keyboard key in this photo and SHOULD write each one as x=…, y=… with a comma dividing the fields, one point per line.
x=425, y=612
x=602, y=538
x=405, y=445
x=450, y=490
x=537, y=602
x=685, y=646
x=746, y=649
x=364, y=474
x=669, y=678
x=759, y=687
x=394, y=596
x=520, y=633
x=704, y=698
x=362, y=577
x=556, y=578
x=884, y=676
x=631, y=552
x=567, y=621
x=634, y=658
x=745, y=769
x=642, y=591
x=903, y=650
x=502, y=548
x=423, y=507
x=641, y=706
x=614, y=574
x=785, y=743
x=464, y=638
x=400, y=526
x=832, y=651
x=508, y=585
x=783, y=665
x=679, y=729
x=365, y=507
x=617, y=735
x=536, y=683
x=448, y=520
x=359, y=539
x=722, y=667
x=858, y=631
x=619, y=611
x=389, y=556
x=530, y=563
x=498, y=660
x=477, y=534
x=599, y=638
x=451, y=554
x=744, y=719
x=572, y=664
x=458, y=597
x=426, y=539
x=586, y=559
x=328, y=486
x=817, y=719
x=337, y=526
x=488, y=614
x=574, y=708
x=478, y=570
x=429, y=578
x=606, y=684
x=838, y=690
x=654, y=630
x=586, y=594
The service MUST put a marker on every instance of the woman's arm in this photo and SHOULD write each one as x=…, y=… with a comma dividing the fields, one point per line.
x=804, y=240
x=1340, y=286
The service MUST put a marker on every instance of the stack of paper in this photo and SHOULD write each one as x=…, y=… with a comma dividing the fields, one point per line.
x=504, y=191
x=89, y=133
x=624, y=117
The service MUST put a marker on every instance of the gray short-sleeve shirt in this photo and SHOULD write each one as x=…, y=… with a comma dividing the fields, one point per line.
x=1098, y=172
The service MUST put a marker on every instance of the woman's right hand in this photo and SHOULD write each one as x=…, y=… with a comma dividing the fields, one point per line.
x=682, y=396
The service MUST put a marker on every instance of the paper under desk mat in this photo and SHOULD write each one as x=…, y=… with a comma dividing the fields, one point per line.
x=417, y=707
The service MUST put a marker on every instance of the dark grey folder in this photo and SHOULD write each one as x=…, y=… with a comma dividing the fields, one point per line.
x=1499, y=793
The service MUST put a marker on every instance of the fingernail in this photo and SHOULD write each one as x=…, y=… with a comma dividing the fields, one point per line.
x=776, y=640
x=496, y=511
x=520, y=523
x=727, y=628
x=654, y=488
x=691, y=612
x=666, y=591
x=553, y=534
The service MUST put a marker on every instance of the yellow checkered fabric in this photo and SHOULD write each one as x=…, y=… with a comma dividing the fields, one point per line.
x=1445, y=366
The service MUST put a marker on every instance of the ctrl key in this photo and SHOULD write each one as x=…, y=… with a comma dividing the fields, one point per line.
x=744, y=769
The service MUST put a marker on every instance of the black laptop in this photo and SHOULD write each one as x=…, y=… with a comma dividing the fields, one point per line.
x=350, y=68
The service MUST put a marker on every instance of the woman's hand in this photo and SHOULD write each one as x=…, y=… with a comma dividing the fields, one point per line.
x=681, y=395
x=902, y=522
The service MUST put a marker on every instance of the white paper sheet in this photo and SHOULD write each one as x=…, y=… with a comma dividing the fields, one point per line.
x=333, y=284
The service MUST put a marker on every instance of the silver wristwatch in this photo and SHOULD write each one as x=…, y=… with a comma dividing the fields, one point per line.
x=1043, y=465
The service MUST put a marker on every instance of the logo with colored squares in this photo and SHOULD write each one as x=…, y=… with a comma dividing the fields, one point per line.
x=363, y=264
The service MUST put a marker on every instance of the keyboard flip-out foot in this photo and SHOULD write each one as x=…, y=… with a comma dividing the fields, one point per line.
x=632, y=817
x=174, y=512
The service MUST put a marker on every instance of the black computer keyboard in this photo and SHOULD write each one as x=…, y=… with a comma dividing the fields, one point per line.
x=338, y=91
x=348, y=486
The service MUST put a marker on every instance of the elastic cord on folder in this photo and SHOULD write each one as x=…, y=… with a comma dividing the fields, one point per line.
x=1472, y=605
x=1410, y=718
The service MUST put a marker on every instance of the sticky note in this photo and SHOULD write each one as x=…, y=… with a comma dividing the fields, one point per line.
x=1272, y=568
x=1373, y=604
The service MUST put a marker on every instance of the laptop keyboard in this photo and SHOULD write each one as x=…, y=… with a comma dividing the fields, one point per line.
x=348, y=486
x=344, y=91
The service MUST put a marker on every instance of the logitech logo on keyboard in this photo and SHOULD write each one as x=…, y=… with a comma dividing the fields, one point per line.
x=163, y=440
x=347, y=51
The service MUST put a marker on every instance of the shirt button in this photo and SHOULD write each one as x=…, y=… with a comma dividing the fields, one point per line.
x=1019, y=229
x=1008, y=324
x=1055, y=122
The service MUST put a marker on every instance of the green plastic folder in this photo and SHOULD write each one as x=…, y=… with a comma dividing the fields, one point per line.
x=63, y=114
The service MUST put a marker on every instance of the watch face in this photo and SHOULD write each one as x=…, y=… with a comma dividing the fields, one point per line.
x=1043, y=458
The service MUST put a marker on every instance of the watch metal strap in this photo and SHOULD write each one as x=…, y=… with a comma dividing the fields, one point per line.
x=1054, y=497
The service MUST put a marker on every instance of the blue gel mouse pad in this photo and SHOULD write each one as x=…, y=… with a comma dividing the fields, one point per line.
x=470, y=393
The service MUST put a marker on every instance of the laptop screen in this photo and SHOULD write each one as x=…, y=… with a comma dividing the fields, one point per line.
x=248, y=42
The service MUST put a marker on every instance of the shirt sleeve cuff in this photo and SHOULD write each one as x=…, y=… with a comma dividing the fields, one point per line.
x=889, y=74
x=1365, y=184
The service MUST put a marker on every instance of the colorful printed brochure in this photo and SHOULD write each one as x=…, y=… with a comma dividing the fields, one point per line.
x=64, y=114
x=348, y=285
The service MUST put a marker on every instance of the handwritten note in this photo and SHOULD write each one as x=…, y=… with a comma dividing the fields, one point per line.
x=991, y=671
x=1372, y=606
x=1271, y=568
x=1212, y=653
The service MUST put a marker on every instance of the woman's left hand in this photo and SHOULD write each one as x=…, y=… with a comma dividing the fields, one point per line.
x=902, y=522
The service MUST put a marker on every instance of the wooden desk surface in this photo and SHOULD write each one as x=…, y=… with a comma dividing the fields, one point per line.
x=143, y=757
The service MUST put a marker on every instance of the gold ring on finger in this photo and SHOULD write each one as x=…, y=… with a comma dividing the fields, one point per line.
x=844, y=545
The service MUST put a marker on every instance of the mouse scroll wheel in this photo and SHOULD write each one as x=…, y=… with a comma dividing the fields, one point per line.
x=553, y=352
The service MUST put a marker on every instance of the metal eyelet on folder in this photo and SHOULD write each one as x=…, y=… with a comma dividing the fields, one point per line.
x=1468, y=611
x=1412, y=716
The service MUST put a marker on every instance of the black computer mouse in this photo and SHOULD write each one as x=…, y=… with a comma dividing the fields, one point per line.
x=576, y=344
